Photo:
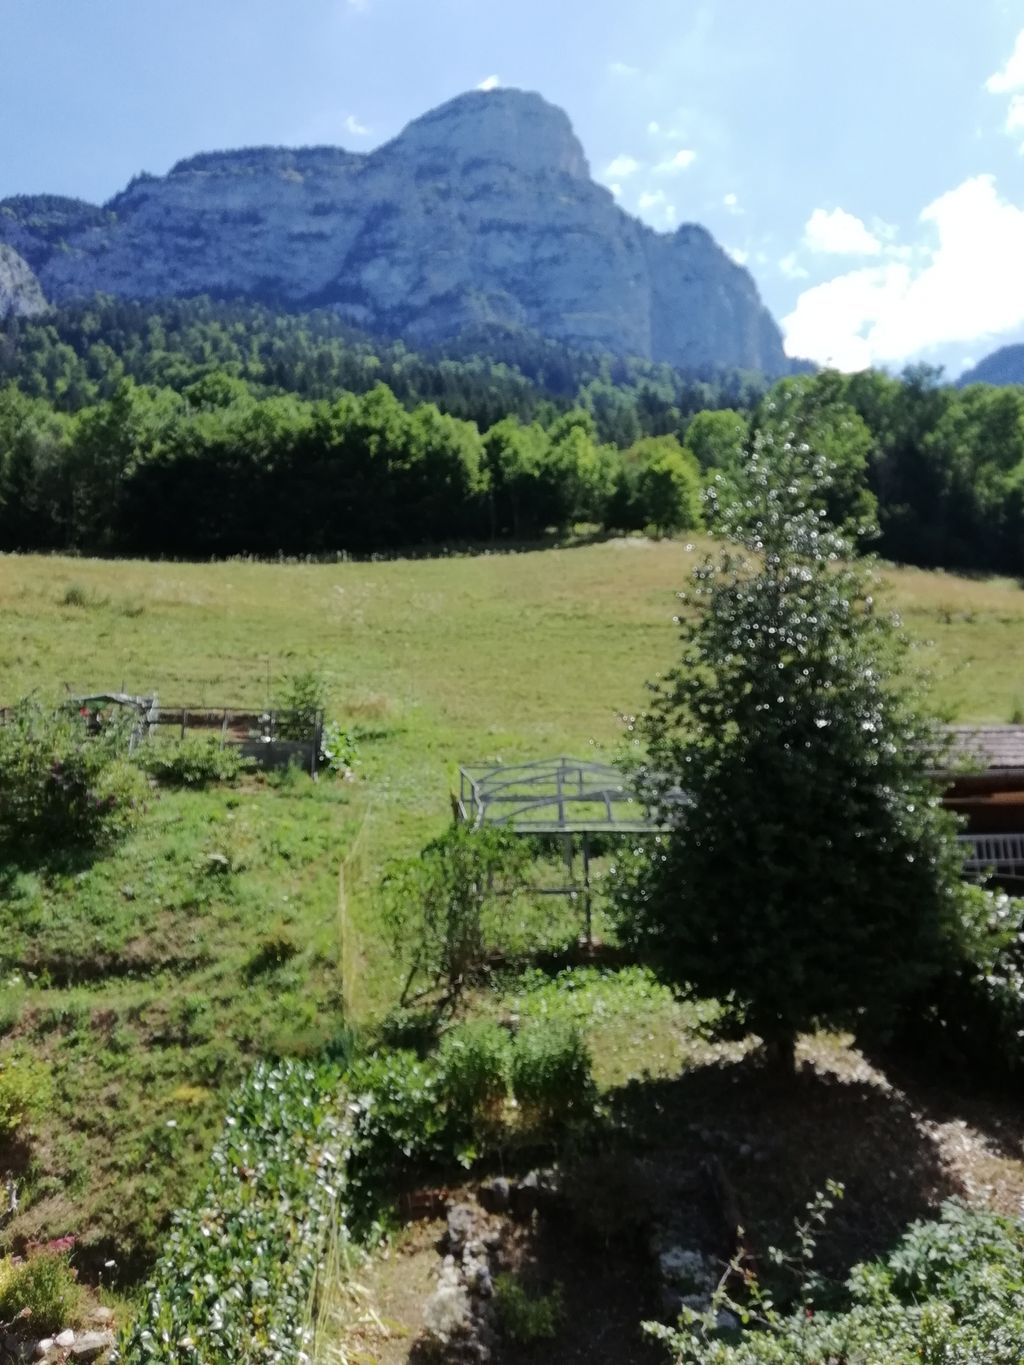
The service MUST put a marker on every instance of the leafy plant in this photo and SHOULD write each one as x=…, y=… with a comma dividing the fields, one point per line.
x=551, y=1074
x=434, y=907
x=299, y=704
x=951, y=1291
x=42, y=1288
x=474, y=1063
x=338, y=749
x=62, y=786
x=971, y=1016
x=399, y=1123
x=524, y=1317
x=25, y=1087
x=195, y=761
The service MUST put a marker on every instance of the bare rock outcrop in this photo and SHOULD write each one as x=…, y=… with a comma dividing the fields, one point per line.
x=480, y=213
x=20, y=294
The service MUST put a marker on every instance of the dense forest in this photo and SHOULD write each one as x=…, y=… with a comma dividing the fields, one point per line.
x=200, y=429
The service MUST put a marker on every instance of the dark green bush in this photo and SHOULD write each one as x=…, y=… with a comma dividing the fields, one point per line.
x=63, y=785
x=789, y=710
x=195, y=761
x=551, y=1074
x=399, y=1124
x=971, y=1017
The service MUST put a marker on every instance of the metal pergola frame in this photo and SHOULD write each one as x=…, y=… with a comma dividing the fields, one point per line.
x=559, y=795
x=562, y=796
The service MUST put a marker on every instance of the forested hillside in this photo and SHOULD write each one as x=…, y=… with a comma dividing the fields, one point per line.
x=200, y=429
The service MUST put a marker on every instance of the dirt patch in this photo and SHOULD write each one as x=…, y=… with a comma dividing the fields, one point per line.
x=376, y=1308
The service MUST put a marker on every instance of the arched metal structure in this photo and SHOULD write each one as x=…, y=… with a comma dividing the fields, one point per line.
x=567, y=797
x=552, y=796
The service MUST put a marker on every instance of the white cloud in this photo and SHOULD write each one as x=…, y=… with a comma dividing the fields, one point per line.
x=1010, y=81
x=616, y=191
x=1011, y=77
x=667, y=133
x=357, y=129
x=964, y=286
x=623, y=69
x=622, y=167
x=731, y=201
x=834, y=232
x=681, y=161
x=792, y=269
x=489, y=83
x=655, y=207
x=740, y=256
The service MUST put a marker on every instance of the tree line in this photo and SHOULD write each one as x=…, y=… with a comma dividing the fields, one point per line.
x=214, y=471
x=198, y=429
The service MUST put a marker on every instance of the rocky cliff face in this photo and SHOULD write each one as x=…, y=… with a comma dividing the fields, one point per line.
x=481, y=212
x=1005, y=366
x=20, y=294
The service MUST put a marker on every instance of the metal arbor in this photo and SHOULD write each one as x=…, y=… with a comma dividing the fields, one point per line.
x=551, y=796
x=562, y=796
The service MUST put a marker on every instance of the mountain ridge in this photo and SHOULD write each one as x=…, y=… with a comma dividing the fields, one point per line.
x=999, y=367
x=480, y=212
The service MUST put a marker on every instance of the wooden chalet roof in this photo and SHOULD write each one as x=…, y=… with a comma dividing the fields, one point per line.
x=993, y=748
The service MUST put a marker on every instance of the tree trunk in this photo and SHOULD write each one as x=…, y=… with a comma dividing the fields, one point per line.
x=780, y=1051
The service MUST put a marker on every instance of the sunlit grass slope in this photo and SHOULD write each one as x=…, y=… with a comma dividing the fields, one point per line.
x=145, y=984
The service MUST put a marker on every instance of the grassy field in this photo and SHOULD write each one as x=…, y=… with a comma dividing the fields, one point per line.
x=142, y=986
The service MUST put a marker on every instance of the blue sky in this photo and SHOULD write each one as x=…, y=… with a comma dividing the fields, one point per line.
x=864, y=160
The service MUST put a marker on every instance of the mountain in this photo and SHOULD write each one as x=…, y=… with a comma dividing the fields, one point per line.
x=1005, y=366
x=480, y=213
x=20, y=294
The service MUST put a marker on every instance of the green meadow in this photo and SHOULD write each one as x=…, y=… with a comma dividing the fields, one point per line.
x=138, y=989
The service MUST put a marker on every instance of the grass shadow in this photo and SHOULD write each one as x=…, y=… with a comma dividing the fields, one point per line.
x=17, y=858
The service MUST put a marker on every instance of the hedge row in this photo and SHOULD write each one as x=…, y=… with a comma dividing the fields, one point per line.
x=235, y=1280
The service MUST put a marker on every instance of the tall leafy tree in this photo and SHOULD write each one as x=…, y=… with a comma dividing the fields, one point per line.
x=807, y=871
x=717, y=438
x=813, y=411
